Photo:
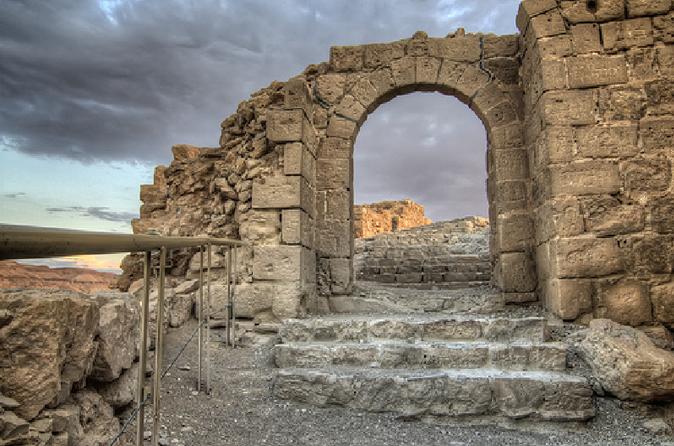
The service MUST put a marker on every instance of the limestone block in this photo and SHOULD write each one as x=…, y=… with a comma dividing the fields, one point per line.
x=381, y=80
x=341, y=128
x=427, y=70
x=659, y=94
x=517, y=272
x=650, y=254
x=506, y=137
x=641, y=63
x=417, y=45
x=504, y=69
x=334, y=238
x=334, y=174
x=185, y=152
x=559, y=217
x=340, y=275
x=296, y=94
x=281, y=262
x=556, y=46
x=627, y=34
x=456, y=49
x=510, y=192
x=121, y=392
x=645, y=174
x=281, y=192
x=595, y=70
x=346, y=58
x=285, y=125
x=152, y=195
x=349, y=107
x=586, y=38
x=607, y=141
x=531, y=8
x=334, y=204
x=578, y=11
x=585, y=178
x=222, y=186
x=471, y=81
x=514, y=232
x=576, y=107
x=626, y=363
x=499, y=46
x=624, y=302
x=118, y=335
x=636, y=8
x=664, y=28
x=297, y=228
x=365, y=93
x=656, y=133
x=261, y=227
x=382, y=54
x=555, y=145
x=662, y=214
x=606, y=215
x=580, y=257
x=330, y=87
x=335, y=148
x=621, y=103
x=508, y=164
x=297, y=160
x=662, y=297
x=548, y=24
x=450, y=74
x=568, y=299
x=404, y=71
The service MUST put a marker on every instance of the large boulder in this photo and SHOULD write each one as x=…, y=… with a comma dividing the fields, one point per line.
x=118, y=335
x=627, y=363
x=47, y=344
x=122, y=391
x=97, y=418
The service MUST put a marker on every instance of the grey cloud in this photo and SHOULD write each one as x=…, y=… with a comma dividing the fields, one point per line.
x=102, y=213
x=14, y=195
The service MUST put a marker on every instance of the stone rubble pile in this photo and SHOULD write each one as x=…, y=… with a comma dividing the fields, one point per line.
x=68, y=362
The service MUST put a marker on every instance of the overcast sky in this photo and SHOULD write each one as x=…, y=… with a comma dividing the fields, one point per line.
x=93, y=93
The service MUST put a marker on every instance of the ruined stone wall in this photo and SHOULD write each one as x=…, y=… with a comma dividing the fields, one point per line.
x=387, y=216
x=600, y=138
x=447, y=254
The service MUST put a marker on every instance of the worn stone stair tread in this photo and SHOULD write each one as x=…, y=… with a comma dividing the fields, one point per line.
x=518, y=355
x=426, y=326
x=442, y=392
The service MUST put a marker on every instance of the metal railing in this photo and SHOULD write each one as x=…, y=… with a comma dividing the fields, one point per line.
x=29, y=242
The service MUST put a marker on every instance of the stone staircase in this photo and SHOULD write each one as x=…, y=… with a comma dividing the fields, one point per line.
x=440, y=363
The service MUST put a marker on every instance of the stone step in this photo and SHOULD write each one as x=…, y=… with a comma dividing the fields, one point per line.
x=459, y=355
x=474, y=392
x=415, y=327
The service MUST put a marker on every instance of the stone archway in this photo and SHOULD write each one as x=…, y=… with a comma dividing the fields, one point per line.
x=363, y=77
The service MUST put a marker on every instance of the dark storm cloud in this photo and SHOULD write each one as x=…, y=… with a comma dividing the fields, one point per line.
x=101, y=213
x=123, y=79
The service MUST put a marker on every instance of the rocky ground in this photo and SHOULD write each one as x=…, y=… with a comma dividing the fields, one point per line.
x=240, y=411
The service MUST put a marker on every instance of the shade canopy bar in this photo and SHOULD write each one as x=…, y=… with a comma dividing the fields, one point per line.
x=31, y=242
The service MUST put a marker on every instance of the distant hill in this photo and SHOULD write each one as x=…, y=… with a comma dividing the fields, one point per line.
x=17, y=275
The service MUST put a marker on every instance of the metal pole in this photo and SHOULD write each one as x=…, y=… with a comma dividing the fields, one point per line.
x=208, y=322
x=142, y=362
x=234, y=295
x=159, y=348
x=201, y=312
x=228, y=336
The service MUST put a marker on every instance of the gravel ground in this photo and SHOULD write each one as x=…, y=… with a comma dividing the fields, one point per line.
x=240, y=411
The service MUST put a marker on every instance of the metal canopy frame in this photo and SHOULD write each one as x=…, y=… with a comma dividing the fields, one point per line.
x=31, y=242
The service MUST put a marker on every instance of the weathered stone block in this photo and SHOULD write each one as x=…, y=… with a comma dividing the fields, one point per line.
x=280, y=262
x=555, y=145
x=381, y=54
x=607, y=141
x=559, y=217
x=636, y=8
x=427, y=70
x=404, y=71
x=647, y=174
x=662, y=214
x=664, y=28
x=334, y=174
x=650, y=254
x=575, y=107
x=585, y=178
x=578, y=11
x=506, y=137
x=659, y=95
x=499, y=46
x=508, y=164
x=450, y=73
x=185, y=152
x=531, y=8
x=568, y=298
x=595, y=70
x=514, y=232
x=625, y=302
x=365, y=93
x=340, y=274
x=297, y=228
x=621, y=103
x=296, y=94
x=330, y=87
x=335, y=148
x=457, y=49
x=297, y=160
x=586, y=38
x=516, y=272
x=585, y=257
x=280, y=191
x=334, y=204
x=285, y=125
x=662, y=297
x=606, y=215
x=346, y=58
x=341, y=128
x=350, y=108
x=627, y=34
x=545, y=25
x=335, y=238
x=381, y=80
x=656, y=133
x=261, y=227
x=504, y=69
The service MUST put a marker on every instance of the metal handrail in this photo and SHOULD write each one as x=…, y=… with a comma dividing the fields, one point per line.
x=29, y=242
